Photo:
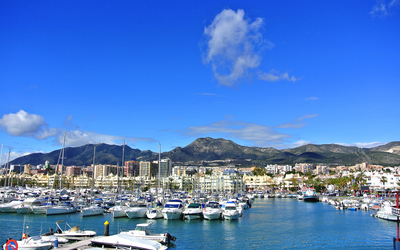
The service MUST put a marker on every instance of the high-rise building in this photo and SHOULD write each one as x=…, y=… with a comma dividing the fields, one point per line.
x=148, y=169
x=165, y=168
x=131, y=168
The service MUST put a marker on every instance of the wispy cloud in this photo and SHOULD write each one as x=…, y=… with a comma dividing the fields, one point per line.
x=383, y=7
x=207, y=94
x=313, y=98
x=231, y=45
x=297, y=123
x=363, y=144
x=274, y=76
x=256, y=134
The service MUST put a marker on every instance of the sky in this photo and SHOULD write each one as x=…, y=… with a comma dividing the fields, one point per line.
x=260, y=73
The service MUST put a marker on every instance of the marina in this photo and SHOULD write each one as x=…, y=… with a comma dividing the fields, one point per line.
x=275, y=223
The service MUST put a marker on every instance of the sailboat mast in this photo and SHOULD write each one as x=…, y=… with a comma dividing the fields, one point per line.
x=62, y=162
x=159, y=166
x=1, y=155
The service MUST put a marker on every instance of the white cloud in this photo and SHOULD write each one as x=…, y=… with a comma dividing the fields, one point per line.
x=231, y=42
x=274, y=76
x=23, y=124
x=258, y=135
x=299, y=143
x=383, y=7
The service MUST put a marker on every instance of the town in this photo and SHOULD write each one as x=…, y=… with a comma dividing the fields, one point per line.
x=146, y=175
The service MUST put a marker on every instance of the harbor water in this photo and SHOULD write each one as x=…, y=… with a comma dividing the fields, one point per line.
x=280, y=223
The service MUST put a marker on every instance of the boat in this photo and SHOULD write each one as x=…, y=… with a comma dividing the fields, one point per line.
x=212, y=211
x=64, y=208
x=229, y=211
x=138, y=210
x=10, y=207
x=119, y=211
x=193, y=211
x=126, y=241
x=69, y=231
x=143, y=231
x=42, y=209
x=154, y=213
x=173, y=210
x=309, y=195
x=27, y=204
x=32, y=243
x=385, y=212
x=92, y=210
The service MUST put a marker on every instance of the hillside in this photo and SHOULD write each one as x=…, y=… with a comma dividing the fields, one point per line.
x=205, y=150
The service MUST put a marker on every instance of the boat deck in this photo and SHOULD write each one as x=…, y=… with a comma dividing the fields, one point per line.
x=83, y=244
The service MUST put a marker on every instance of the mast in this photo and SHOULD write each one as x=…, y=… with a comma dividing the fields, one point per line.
x=91, y=188
x=62, y=161
x=1, y=155
x=159, y=167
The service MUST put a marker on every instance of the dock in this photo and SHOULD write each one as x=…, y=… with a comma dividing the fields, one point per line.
x=79, y=245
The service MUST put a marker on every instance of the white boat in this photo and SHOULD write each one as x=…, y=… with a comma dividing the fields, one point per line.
x=230, y=211
x=260, y=194
x=173, y=210
x=309, y=195
x=212, y=211
x=154, y=213
x=27, y=204
x=92, y=210
x=65, y=230
x=42, y=209
x=139, y=210
x=119, y=211
x=32, y=243
x=65, y=208
x=193, y=212
x=385, y=212
x=126, y=241
x=143, y=231
x=10, y=207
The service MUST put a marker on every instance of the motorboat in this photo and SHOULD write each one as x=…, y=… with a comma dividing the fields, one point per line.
x=138, y=210
x=65, y=230
x=212, y=211
x=92, y=210
x=154, y=213
x=193, y=211
x=10, y=207
x=309, y=195
x=173, y=209
x=260, y=194
x=385, y=212
x=32, y=243
x=229, y=211
x=128, y=241
x=143, y=231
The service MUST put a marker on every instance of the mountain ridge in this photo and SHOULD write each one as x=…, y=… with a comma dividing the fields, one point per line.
x=208, y=149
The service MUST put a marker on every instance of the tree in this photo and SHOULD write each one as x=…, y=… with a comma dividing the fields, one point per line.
x=383, y=180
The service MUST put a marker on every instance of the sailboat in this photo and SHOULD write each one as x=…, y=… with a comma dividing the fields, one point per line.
x=120, y=210
x=93, y=209
x=65, y=207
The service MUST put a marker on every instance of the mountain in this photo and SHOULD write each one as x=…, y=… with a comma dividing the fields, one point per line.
x=207, y=150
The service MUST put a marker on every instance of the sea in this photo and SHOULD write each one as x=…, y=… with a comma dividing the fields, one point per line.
x=280, y=223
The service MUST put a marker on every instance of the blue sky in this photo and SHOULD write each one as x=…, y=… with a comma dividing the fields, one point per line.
x=260, y=73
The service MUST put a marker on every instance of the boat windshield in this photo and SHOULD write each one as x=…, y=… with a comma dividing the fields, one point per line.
x=230, y=208
x=171, y=205
x=213, y=205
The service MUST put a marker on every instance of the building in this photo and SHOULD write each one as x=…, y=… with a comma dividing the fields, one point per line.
x=105, y=170
x=165, y=168
x=73, y=171
x=148, y=169
x=131, y=168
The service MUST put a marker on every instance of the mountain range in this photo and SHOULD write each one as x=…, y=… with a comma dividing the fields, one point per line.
x=208, y=151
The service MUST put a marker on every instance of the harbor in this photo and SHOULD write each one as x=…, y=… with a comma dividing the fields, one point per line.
x=271, y=223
